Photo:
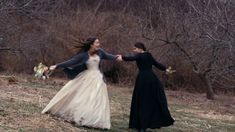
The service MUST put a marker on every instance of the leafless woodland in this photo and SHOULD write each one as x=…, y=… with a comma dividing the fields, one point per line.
x=195, y=37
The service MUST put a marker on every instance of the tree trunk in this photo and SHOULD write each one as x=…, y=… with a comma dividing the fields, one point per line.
x=210, y=93
x=209, y=90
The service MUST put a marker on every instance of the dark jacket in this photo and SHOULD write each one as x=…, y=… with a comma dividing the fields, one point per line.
x=77, y=64
x=144, y=61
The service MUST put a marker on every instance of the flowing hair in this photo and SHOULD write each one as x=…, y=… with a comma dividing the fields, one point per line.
x=84, y=46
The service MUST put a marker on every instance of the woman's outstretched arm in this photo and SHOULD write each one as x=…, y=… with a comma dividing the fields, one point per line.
x=158, y=65
x=130, y=58
x=75, y=60
x=107, y=56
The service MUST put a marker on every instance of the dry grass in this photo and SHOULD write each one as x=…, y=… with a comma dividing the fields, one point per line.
x=22, y=100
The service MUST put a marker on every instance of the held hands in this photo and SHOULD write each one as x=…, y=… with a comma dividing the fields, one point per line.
x=119, y=58
x=169, y=70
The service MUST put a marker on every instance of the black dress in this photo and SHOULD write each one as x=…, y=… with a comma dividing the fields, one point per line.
x=149, y=104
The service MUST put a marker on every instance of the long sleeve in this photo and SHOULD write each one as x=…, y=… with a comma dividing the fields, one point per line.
x=130, y=58
x=76, y=59
x=158, y=65
x=107, y=56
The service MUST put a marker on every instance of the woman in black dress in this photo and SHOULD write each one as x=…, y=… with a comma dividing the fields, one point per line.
x=149, y=104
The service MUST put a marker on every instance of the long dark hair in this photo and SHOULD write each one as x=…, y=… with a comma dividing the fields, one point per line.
x=140, y=46
x=84, y=46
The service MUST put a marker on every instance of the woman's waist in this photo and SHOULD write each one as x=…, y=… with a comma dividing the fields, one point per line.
x=93, y=69
x=146, y=70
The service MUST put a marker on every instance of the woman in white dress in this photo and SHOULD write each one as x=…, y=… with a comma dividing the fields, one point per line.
x=84, y=99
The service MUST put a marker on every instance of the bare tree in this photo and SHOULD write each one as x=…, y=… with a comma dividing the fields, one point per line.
x=204, y=35
x=196, y=37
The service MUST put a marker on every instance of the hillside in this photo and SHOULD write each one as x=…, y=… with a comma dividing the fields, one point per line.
x=22, y=98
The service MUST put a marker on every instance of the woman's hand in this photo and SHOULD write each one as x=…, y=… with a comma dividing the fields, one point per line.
x=53, y=67
x=169, y=70
x=119, y=58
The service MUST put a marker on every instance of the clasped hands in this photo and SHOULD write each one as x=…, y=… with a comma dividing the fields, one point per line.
x=119, y=58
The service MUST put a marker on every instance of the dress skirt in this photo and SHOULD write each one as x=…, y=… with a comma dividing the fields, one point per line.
x=83, y=100
x=149, y=104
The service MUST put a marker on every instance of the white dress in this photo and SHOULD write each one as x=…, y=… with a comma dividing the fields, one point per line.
x=83, y=100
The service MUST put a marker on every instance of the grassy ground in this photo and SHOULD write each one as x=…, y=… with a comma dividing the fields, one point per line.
x=22, y=99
